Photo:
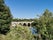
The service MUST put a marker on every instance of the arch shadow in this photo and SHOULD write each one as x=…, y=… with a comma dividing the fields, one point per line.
x=29, y=24
x=24, y=24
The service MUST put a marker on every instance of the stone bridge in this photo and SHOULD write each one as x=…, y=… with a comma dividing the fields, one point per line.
x=23, y=23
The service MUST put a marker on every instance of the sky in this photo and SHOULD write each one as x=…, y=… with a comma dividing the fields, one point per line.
x=28, y=8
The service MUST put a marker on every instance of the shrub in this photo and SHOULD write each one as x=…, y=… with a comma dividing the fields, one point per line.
x=20, y=33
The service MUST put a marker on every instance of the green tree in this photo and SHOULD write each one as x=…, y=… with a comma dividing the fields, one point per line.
x=44, y=26
x=5, y=18
x=49, y=23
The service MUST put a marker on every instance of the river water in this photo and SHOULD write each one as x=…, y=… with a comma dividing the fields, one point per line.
x=33, y=30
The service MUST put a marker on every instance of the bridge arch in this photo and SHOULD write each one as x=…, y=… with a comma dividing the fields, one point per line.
x=29, y=24
x=20, y=23
x=24, y=24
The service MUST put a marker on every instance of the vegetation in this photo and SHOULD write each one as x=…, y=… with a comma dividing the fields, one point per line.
x=18, y=33
x=44, y=26
x=22, y=19
x=5, y=18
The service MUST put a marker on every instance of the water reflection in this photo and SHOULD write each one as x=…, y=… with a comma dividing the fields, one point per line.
x=33, y=30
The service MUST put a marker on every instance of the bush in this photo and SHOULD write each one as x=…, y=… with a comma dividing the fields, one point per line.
x=19, y=33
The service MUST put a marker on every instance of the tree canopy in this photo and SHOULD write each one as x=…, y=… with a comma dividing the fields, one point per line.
x=44, y=25
x=5, y=17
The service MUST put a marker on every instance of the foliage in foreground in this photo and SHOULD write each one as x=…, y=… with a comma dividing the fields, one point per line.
x=18, y=33
x=44, y=26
